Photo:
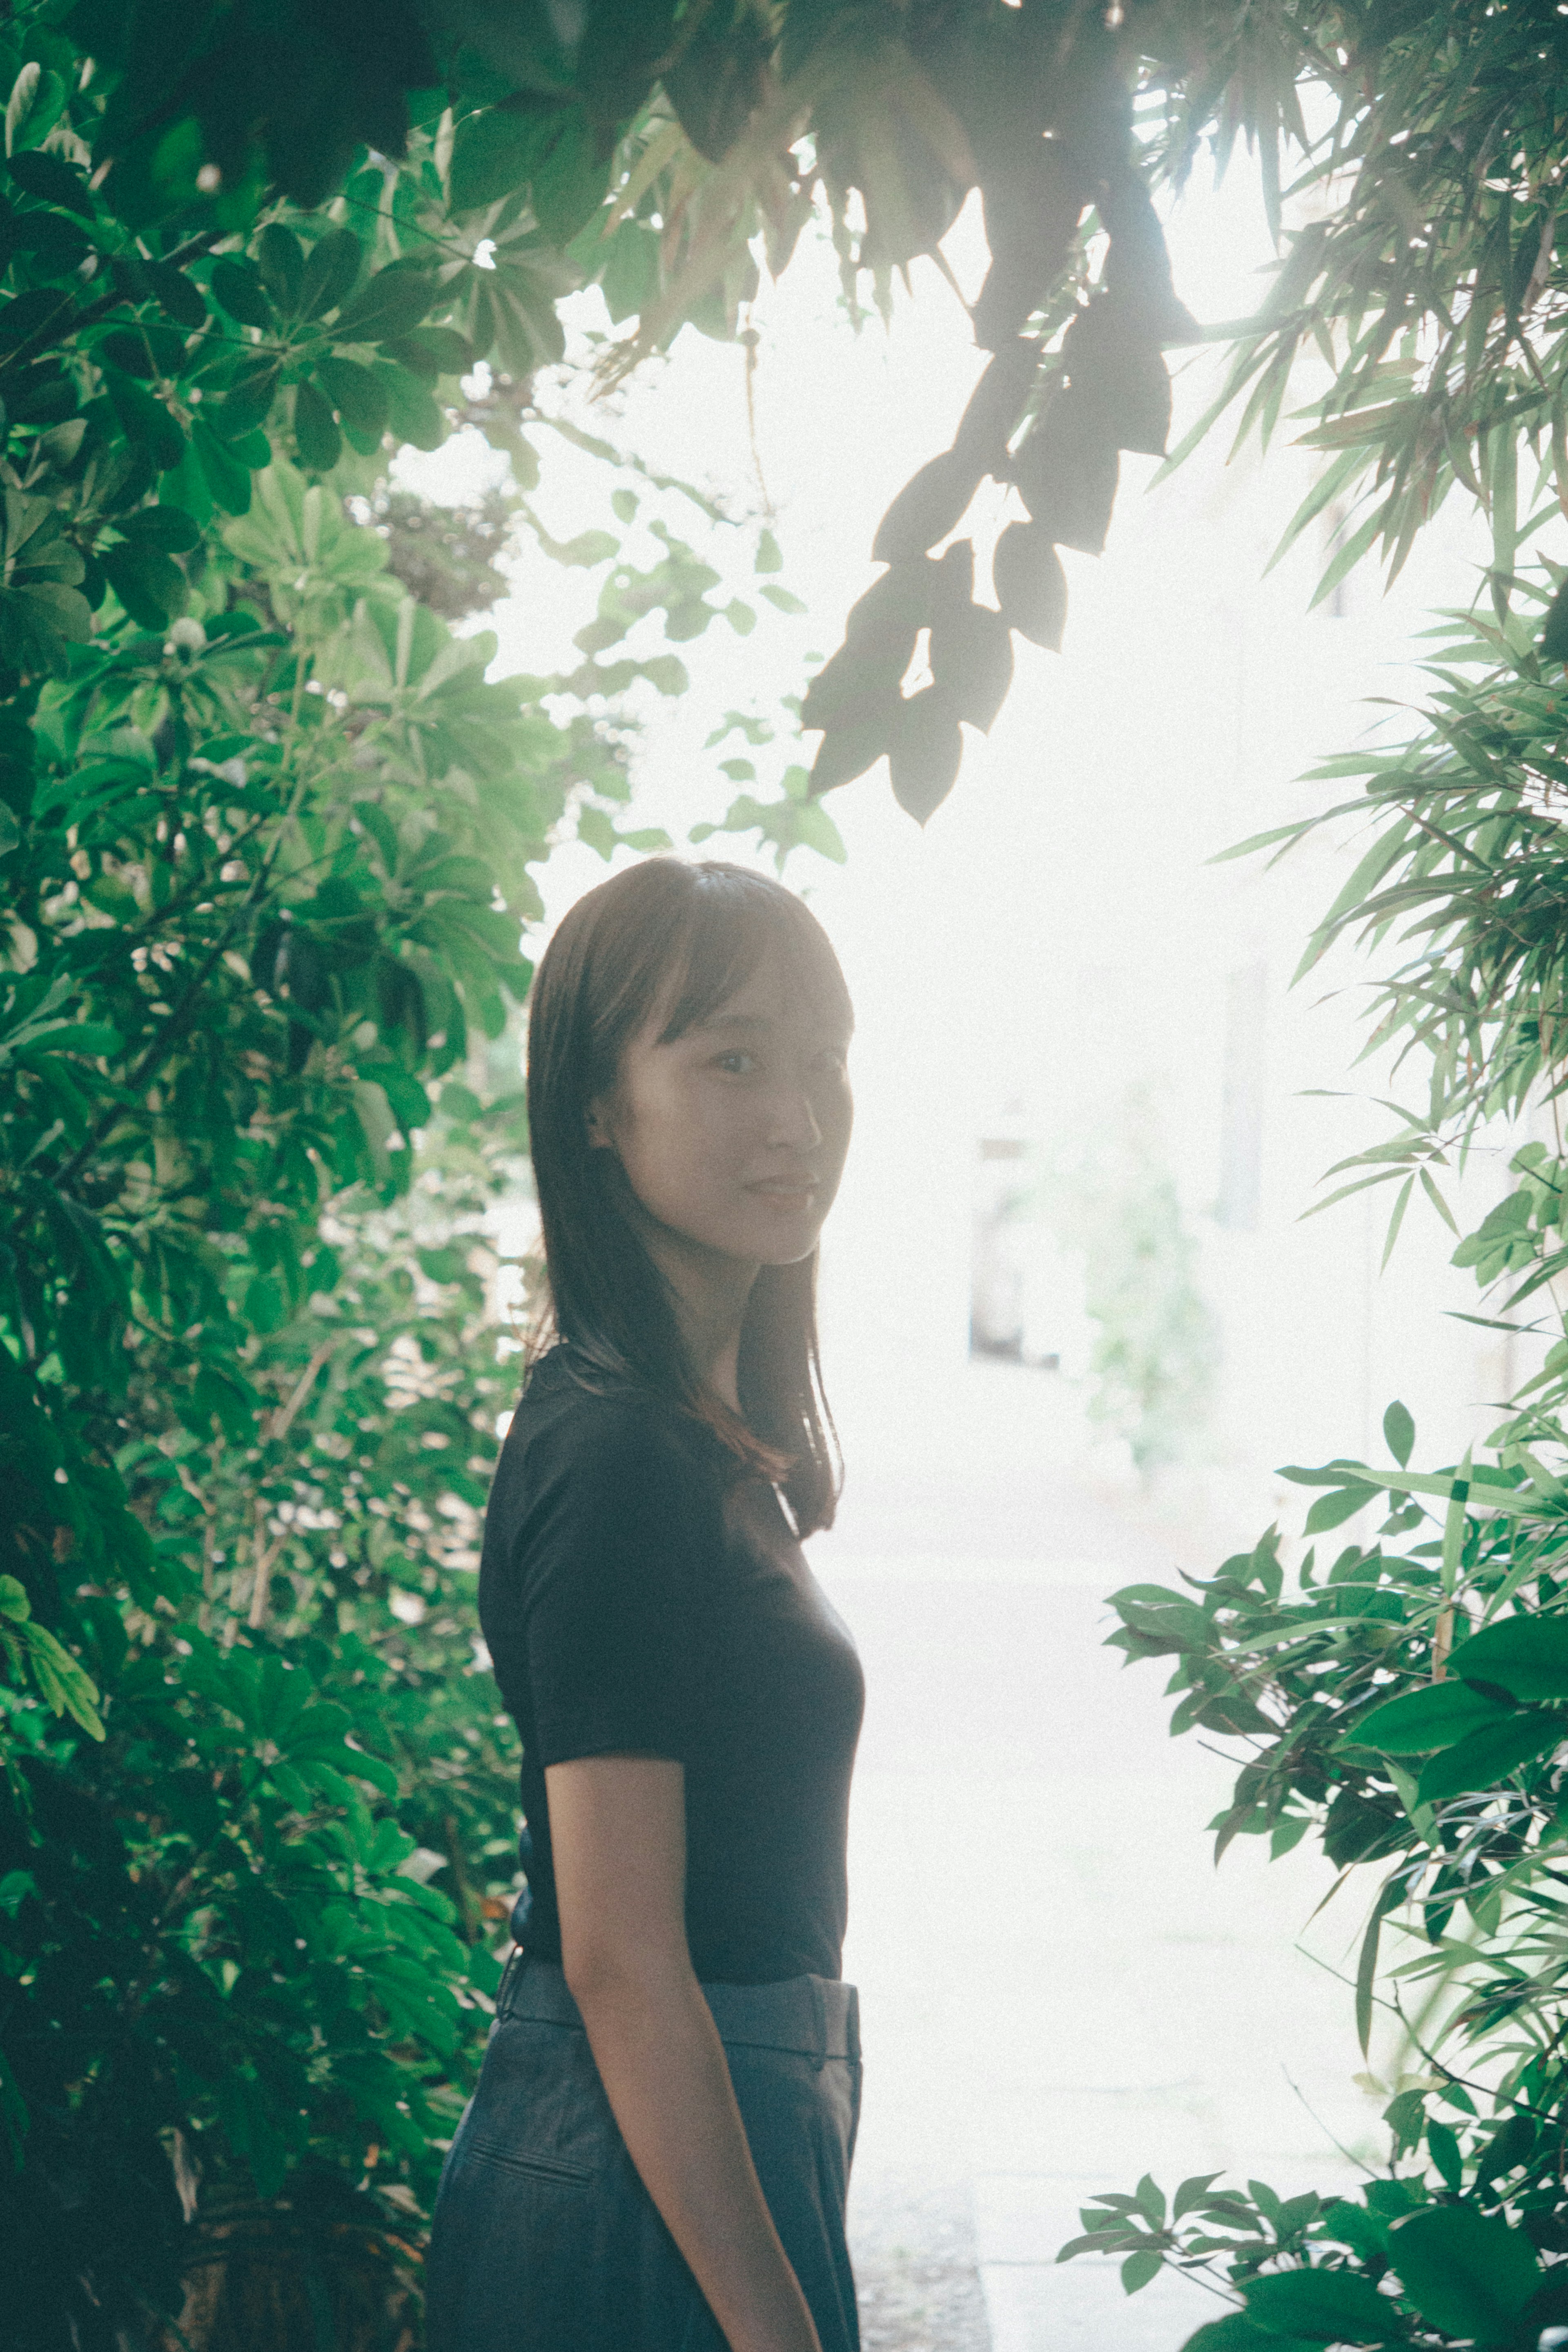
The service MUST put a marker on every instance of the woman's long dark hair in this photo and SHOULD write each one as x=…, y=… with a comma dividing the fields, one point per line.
x=692, y=934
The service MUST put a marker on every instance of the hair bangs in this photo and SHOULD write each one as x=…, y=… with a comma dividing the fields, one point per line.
x=732, y=921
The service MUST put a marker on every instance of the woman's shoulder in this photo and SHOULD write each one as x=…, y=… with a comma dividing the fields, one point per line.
x=599, y=1479
x=575, y=1417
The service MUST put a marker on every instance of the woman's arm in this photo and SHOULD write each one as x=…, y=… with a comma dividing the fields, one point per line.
x=618, y=1835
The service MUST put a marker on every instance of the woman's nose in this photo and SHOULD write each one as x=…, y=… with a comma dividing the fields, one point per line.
x=795, y=1121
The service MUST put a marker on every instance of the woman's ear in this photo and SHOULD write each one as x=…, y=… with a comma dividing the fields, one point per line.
x=596, y=1125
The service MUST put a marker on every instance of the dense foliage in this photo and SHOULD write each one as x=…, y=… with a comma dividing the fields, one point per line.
x=267, y=838
x=268, y=835
x=1401, y=1701
x=659, y=152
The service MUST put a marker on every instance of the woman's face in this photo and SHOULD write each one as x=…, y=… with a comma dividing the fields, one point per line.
x=733, y=1135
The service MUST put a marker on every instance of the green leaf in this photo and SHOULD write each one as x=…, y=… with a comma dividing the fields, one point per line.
x=1139, y=2269
x=178, y=295
x=166, y=528
x=360, y=397
x=53, y=181
x=236, y=284
x=65, y=612
x=1527, y=1656
x=1236, y=2332
x=36, y=103
x=393, y=302
x=330, y=268
x=1466, y=2272
x=151, y=586
x=568, y=180
x=281, y=259
x=1323, y=2307
x=248, y=401
x=227, y=477
x=1390, y=1895
x=410, y=1103
x=1399, y=1433
x=1151, y=2202
x=412, y=414
x=495, y=150
x=781, y=597
x=1487, y=1757
x=1444, y=2146
x=145, y=419
x=1332, y=1510
x=316, y=434
x=1433, y=1717
x=1554, y=631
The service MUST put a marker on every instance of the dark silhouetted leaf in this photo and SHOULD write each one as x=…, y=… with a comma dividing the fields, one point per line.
x=851, y=746
x=997, y=403
x=858, y=683
x=1030, y=584
x=930, y=505
x=1067, y=473
x=927, y=750
x=972, y=661
x=1113, y=364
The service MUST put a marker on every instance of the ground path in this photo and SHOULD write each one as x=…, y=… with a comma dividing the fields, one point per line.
x=1059, y=1991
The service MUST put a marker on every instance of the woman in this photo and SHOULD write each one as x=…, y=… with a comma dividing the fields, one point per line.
x=657, y=2156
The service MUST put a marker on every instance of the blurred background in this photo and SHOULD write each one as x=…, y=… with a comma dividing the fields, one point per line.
x=1076, y=1314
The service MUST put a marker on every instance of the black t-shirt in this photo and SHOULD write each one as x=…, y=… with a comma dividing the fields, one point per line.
x=636, y=1594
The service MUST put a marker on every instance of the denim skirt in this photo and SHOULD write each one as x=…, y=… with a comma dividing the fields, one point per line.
x=545, y=2239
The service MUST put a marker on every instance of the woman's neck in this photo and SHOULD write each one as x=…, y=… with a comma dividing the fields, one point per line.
x=710, y=1293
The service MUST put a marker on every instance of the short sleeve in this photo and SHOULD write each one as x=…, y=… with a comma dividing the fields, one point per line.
x=607, y=1567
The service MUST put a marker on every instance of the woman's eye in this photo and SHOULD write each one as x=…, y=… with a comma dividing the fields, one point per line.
x=735, y=1064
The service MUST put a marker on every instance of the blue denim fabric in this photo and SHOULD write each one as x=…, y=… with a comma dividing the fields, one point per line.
x=545, y=2239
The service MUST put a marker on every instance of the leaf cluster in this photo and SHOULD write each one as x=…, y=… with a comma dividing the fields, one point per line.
x=1406, y=1707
